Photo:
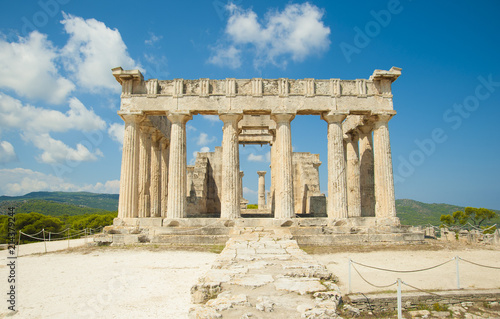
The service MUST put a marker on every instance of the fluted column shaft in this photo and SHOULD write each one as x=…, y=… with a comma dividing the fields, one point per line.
x=176, y=202
x=384, y=181
x=128, y=204
x=353, y=181
x=337, y=190
x=284, y=168
x=155, y=189
x=164, y=175
x=230, y=201
x=366, y=171
x=144, y=171
x=262, y=190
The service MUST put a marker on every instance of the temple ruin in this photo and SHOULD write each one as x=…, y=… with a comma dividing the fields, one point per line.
x=158, y=188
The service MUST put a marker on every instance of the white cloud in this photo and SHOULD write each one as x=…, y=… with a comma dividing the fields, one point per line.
x=268, y=157
x=190, y=128
x=248, y=191
x=19, y=181
x=153, y=38
x=294, y=33
x=255, y=158
x=28, y=67
x=7, y=153
x=211, y=118
x=226, y=56
x=203, y=139
x=36, y=123
x=116, y=132
x=92, y=51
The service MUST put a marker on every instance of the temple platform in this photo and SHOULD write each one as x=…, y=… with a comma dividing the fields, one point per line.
x=215, y=231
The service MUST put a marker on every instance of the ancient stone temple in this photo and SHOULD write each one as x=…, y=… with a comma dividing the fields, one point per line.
x=159, y=189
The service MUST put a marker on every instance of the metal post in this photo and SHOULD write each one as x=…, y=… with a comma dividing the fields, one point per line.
x=457, y=259
x=85, y=236
x=68, y=237
x=349, y=286
x=44, y=242
x=400, y=310
x=49, y=236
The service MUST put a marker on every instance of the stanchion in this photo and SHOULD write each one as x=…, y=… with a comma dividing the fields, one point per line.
x=44, y=242
x=349, y=285
x=400, y=310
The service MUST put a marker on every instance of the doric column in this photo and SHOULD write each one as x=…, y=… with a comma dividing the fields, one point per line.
x=176, y=203
x=155, y=189
x=283, y=165
x=240, y=187
x=337, y=190
x=384, y=181
x=164, y=145
x=230, y=201
x=145, y=170
x=128, y=204
x=366, y=171
x=353, y=187
x=262, y=189
x=271, y=200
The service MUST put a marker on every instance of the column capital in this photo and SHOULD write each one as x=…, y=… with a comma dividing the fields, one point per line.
x=164, y=142
x=242, y=173
x=131, y=116
x=351, y=135
x=156, y=136
x=261, y=173
x=282, y=117
x=179, y=117
x=365, y=129
x=230, y=117
x=383, y=117
x=334, y=116
x=146, y=129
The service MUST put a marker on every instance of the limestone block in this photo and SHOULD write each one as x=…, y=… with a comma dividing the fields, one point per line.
x=254, y=280
x=301, y=286
x=265, y=304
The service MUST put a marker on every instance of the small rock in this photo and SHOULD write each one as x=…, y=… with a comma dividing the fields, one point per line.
x=419, y=313
x=440, y=314
x=265, y=304
x=203, y=312
x=351, y=310
x=247, y=315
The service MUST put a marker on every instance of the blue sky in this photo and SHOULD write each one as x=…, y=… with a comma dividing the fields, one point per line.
x=58, y=101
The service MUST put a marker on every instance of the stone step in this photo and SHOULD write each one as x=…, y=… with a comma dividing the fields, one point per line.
x=190, y=239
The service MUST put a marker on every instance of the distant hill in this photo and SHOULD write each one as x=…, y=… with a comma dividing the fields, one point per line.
x=412, y=212
x=82, y=199
x=409, y=211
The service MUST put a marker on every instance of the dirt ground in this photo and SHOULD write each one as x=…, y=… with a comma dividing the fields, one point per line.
x=155, y=281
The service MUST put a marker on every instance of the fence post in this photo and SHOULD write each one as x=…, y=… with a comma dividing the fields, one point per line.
x=44, y=242
x=68, y=237
x=349, y=285
x=400, y=310
x=85, y=236
x=457, y=259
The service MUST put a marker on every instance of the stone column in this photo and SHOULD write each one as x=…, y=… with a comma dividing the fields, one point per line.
x=164, y=174
x=240, y=187
x=155, y=188
x=353, y=187
x=176, y=203
x=145, y=170
x=262, y=189
x=384, y=181
x=230, y=199
x=337, y=190
x=283, y=165
x=128, y=204
x=367, y=188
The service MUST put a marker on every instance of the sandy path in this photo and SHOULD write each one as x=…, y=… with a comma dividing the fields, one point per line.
x=106, y=284
x=443, y=277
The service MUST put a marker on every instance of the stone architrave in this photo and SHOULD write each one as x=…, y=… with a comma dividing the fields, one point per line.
x=176, y=203
x=353, y=181
x=367, y=186
x=230, y=199
x=385, y=206
x=283, y=166
x=129, y=177
x=145, y=170
x=164, y=149
x=337, y=190
x=155, y=188
x=262, y=189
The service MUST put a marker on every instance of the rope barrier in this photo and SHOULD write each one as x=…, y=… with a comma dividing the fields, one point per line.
x=371, y=284
x=471, y=262
x=402, y=271
x=79, y=233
